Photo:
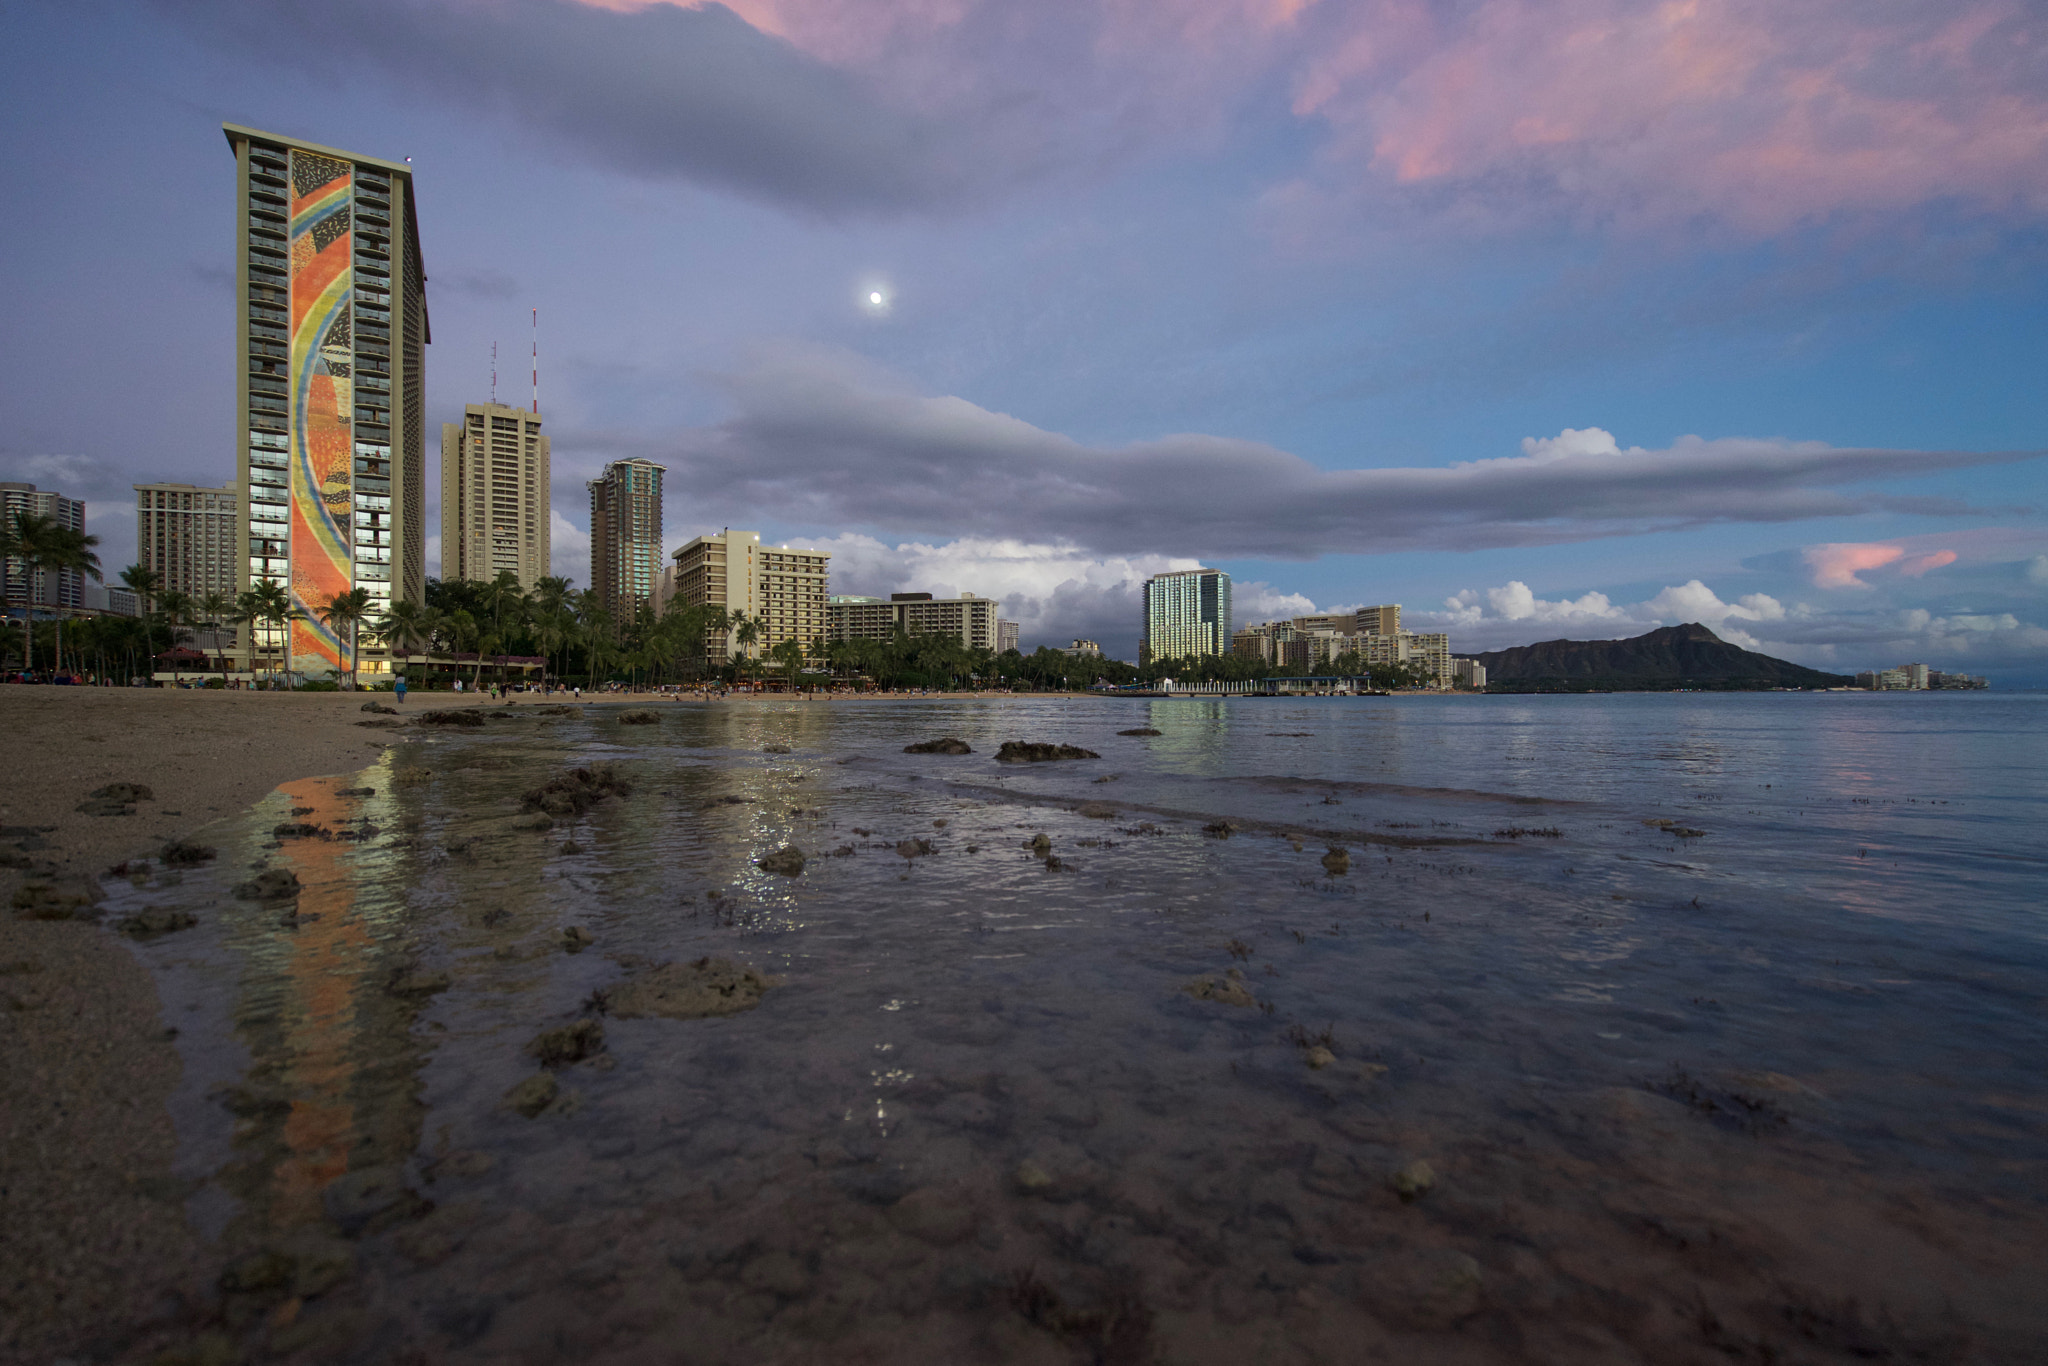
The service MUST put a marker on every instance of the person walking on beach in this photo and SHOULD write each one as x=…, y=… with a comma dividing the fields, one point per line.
x=399, y=688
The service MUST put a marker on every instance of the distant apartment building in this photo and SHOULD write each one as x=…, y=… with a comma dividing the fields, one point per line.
x=1084, y=647
x=1918, y=678
x=625, y=535
x=190, y=537
x=1468, y=673
x=1377, y=621
x=330, y=386
x=1313, y=643
x=1432, y=650
x=969, y=619
x=1187, y=613
x=1006, y=636
x=116, y=601
x=781, y=588
x=494, y=495
x=23, y=587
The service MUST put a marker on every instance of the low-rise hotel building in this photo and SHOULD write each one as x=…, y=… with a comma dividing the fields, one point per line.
x=970, y=619
x=780, y=587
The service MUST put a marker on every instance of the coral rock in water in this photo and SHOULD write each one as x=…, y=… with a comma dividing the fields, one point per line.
x=1023, y=752
x=690, y=991
x=949, y=745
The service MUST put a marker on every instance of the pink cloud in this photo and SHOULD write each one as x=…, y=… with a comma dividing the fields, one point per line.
x=1837, y=565
x=1919, y=564
x=1841, y=564
x=1750, y=112
x=1753, y=114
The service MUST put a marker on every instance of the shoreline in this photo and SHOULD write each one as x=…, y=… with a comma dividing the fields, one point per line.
x=98, y=1243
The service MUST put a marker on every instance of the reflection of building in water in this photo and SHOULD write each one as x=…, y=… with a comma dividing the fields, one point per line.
x=332, y=1081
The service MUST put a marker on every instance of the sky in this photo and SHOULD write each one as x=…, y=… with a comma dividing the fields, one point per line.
x=1543, y=318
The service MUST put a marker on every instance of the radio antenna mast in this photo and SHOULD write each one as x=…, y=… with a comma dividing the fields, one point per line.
x=536, y=362
x=494, y=374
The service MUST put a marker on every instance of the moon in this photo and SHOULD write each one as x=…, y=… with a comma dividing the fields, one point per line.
x=875, y=296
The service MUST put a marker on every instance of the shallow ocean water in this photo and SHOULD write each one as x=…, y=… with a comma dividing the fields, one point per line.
x=1771, y=1091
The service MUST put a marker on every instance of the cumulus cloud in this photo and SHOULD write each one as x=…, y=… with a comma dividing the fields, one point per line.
x=826, y=440
x=568, y=548
x=2037, y=571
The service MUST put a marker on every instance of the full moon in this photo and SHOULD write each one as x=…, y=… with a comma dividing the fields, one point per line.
x=875, y=297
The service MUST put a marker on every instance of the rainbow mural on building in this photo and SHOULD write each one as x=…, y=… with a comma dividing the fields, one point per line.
x=323, y=397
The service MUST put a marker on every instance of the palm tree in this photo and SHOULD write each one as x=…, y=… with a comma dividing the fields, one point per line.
x=40, y=543
x=553, y=628
x=404, y=627
x=211, y=612
x=746, y=633
x=270, y=604
x=145, y=582
x=501, y=595
x=346, y=611
x=790, y=655
x=600, y=645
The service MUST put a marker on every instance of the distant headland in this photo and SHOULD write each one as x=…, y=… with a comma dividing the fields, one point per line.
x=1668, y=659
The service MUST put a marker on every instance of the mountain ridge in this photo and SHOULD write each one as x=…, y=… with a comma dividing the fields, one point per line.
x=1664, y=660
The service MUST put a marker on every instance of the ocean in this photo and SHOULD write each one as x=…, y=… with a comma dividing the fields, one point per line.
x=1676, y=1027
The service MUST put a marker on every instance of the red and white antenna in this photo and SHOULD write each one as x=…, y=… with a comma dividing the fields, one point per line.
x=536, y=362
x=494, y=374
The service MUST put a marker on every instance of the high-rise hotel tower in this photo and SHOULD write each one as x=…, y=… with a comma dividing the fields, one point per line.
x=1187, y=613
x=625, y=536
x=330, y=337
x=494, y=495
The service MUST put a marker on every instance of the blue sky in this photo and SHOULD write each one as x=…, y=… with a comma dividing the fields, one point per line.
x=1543, y=320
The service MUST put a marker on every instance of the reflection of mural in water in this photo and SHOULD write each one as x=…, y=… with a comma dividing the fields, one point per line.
x=332, y=1085
x=323, y=280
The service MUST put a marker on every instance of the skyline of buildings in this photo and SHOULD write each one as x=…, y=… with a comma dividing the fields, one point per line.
x=330, y=335
x=495, y=500
x=331, y=326
x=625, y=534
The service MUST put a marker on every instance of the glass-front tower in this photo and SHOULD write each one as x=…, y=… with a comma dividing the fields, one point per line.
x=1187, y=613
x=330, y=337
